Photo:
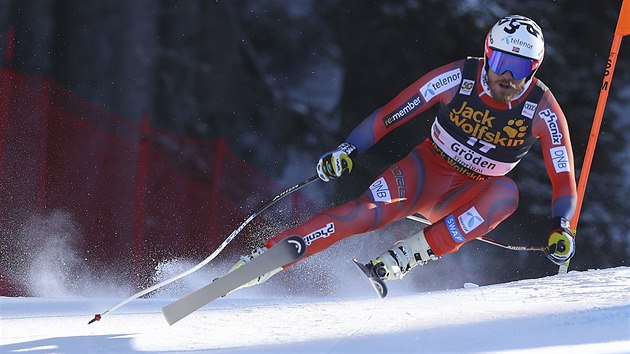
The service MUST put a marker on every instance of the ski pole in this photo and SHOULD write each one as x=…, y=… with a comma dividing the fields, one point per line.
x=227, y=241
x=422, y=220
x=511, y=247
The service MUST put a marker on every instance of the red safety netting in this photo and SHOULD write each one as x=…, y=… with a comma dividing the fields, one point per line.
x=129, y=194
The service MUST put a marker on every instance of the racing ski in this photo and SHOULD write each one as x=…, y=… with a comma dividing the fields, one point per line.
x=281, y=254
x=377, y=283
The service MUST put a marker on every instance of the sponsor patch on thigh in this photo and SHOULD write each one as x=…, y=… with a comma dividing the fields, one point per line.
x=470, y=220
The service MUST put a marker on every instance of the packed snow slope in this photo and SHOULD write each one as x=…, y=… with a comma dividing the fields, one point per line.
x=578, y=312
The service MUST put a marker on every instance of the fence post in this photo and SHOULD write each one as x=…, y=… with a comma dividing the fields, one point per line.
x=6, y=78
x=9, y=46
x=215, y=183
x=141, y=186
x=43, y=110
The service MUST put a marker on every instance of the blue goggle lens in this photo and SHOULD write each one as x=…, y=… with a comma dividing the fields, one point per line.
x=501, y=62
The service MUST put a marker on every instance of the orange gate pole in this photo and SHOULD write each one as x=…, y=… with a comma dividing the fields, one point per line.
x=622, y=29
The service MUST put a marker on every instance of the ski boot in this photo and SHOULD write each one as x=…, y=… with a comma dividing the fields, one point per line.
x=399, y=260
x=245, y=259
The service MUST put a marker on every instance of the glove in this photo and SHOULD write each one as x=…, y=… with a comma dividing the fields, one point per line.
x=561, y=243
x=337, y=162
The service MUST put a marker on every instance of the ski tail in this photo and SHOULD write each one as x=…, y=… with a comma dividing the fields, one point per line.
x=377, y=283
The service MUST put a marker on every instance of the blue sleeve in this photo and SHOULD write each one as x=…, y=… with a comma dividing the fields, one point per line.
x=363, y=135
x=564, y=207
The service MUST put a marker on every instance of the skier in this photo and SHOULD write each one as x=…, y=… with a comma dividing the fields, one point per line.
x=491, y=111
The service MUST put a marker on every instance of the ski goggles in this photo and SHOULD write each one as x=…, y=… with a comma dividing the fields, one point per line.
x=501, y=62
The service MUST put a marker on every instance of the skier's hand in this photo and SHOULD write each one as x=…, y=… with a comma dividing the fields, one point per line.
x=337, y=162
x=561, y=242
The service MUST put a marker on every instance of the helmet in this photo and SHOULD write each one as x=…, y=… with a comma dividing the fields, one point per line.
x=515, y=43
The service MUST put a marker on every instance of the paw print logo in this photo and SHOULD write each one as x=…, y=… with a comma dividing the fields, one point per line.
x=515, y=128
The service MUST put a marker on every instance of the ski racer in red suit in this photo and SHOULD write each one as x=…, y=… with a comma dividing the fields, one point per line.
x=491, y=111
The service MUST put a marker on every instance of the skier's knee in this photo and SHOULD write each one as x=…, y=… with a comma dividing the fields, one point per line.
x=507, y=189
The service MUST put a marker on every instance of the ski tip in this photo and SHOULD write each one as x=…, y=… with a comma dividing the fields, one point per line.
x=97, y=317
x=170, y=318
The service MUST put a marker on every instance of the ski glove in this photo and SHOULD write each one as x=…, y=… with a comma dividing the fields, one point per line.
x=337, y=162
x=561, y=243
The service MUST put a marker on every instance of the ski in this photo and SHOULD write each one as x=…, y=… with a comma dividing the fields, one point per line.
x=281, y=254
x=377, y=283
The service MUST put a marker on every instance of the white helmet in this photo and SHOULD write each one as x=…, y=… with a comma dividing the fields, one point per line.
x=518, y=36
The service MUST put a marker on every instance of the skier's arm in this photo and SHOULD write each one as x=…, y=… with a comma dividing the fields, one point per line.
x=551, y=127
x=439, y=85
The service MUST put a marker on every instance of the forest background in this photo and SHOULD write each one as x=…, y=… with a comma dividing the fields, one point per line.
x=284, y=81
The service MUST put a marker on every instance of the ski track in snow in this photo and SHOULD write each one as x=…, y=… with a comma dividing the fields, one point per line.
x=578, y=312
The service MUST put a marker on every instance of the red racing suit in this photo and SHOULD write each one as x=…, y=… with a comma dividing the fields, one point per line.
x=455, y=178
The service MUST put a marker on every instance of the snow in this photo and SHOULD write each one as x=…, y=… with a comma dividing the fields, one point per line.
x=578, y=312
